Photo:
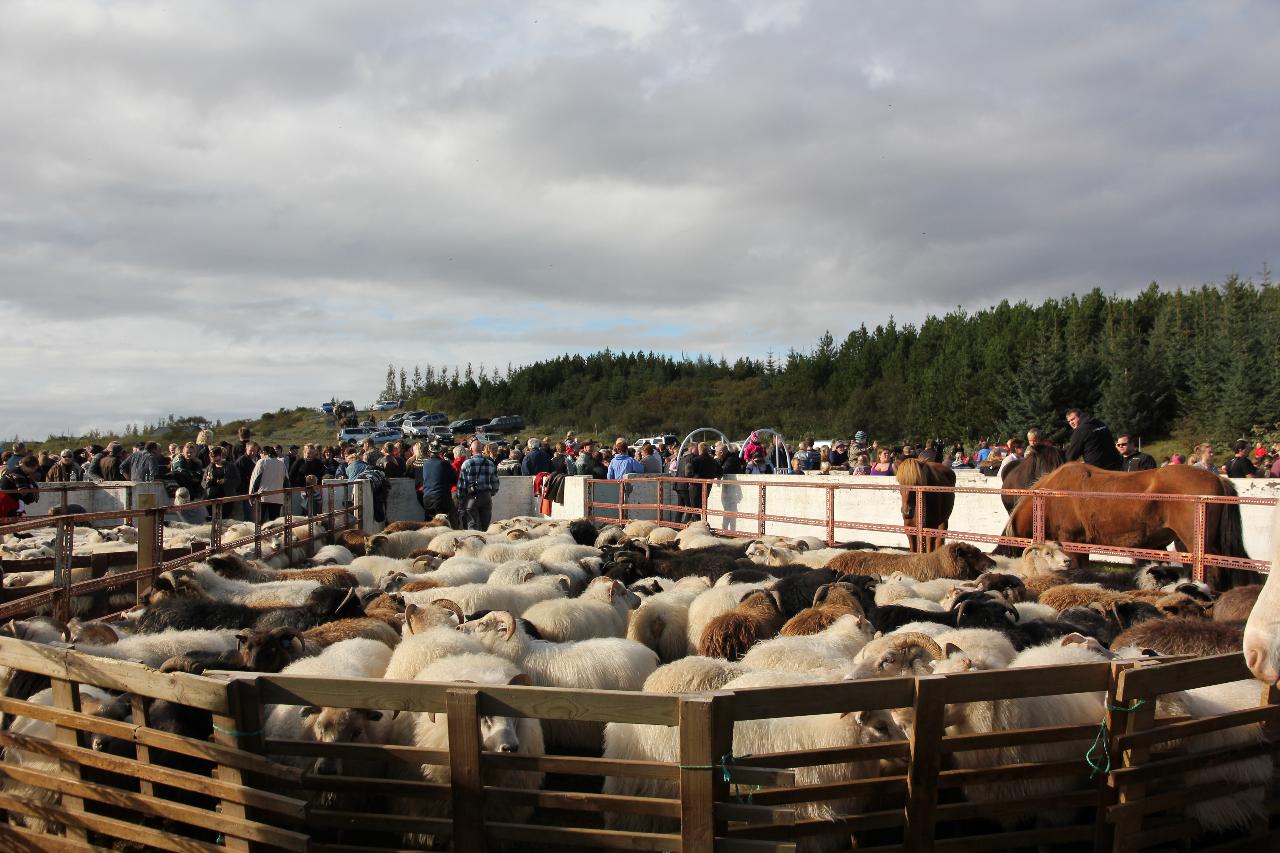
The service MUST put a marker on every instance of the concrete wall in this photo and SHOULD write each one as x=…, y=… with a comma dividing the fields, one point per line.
x=974, y=512
x=119, y=496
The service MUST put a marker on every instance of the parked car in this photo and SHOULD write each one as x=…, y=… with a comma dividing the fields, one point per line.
x=354, y=434
x=434, y=418
x=386, y=406
x=384, y=435
x=327, y=408
x=486, y=437
x=505, y=424
x=468, y=424
x=439, y=433
x=670, y=439
x=421, y=428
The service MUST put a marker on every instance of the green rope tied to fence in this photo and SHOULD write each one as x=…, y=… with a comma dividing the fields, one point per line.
x=724, y=766
x=235, y=732
x=1103, y=739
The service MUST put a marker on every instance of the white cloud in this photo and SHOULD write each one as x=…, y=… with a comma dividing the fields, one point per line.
x=224, y=208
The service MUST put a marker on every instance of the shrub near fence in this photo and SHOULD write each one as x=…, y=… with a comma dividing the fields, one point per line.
x=226, y=790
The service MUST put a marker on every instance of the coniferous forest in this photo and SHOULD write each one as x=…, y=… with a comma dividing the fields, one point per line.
x=1201, y=361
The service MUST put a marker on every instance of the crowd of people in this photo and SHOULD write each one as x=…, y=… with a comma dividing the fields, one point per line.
x=460, y=479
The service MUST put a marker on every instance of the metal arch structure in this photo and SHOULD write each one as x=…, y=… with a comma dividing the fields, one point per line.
x=699, y=431
x=777, y=453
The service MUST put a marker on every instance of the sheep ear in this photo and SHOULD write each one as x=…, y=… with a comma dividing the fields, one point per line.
x=951, y=649
x=521, y=680
x=821, y=594
x=242, y=637
x=508, y=624
x=563, y=582
x=410, y=611
x=431, y=716
x=1073, y=639
x=801, y=546
x=308, y=711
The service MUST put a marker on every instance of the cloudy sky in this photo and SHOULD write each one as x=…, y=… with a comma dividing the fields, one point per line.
x=222, y=208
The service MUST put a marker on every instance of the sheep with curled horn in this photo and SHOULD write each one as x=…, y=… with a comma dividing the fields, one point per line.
x=908, y=653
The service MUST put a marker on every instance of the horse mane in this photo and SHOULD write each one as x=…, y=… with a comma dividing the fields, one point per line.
x=912, y=472
x=1040, y=460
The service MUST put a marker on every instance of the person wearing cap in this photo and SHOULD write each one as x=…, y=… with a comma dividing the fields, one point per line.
x=840, y=455
x=859, y=443
x=64, y=469
x=438, y=480
x=571, y=443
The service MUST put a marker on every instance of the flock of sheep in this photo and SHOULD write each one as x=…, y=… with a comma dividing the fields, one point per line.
x=646, y=608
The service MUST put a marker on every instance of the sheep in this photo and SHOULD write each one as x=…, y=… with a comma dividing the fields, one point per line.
x=154, y=649
x=483, y=596
x=893, y=591
x=1043, y=558
x=332, y=555
x=370, y=569
x=239, y=591
x=639, y=529
x=583, y=531
x=434, y=524
x=426, y=730
x=638, y=742
x=891, y=617
x=1236, y=604
x=1076, y=595
x=601, y=664
x=1182, y=636
x=1028, y=610
x=729, y=635
x=400, y=544
x=561, y=552
x=795, y=592
x=810, y=733
x=710, y=604
x=830, y=603
x=429, y=634
x=338, y=631
x=515, y=572
x=323, y=604
x=900, y=653
x=986, y=649
x=1181, y=604
x=830, y=651
x=457, y=571
x=953, y=560
x=93, y=701
x=610, y=534
x=1157, y=576
x=662, y=536
x=921, y=604
x=661, y=622
x=601, y=611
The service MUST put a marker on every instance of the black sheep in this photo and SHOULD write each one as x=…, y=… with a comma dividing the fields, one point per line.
x=891, y=617
x=583, y=531
x=795, y=592
x=189, y=614
x=323, y=604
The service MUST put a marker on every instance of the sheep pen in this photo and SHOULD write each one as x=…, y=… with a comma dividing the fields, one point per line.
x=351, y=763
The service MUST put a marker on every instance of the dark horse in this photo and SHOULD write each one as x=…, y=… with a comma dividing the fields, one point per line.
x=1024, y=473
x=1135, y=522
x=937, y=505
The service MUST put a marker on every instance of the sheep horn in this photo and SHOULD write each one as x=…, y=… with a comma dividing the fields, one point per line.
x=821, y=594
x=452, y=606
x=508, y=624
x=920, y=639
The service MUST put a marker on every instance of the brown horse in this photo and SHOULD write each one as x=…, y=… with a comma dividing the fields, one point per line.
x=937, y=505
x=1023, y=474
x=1134, y=523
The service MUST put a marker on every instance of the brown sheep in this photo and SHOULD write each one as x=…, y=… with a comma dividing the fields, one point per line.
x=355, y=541
x=370, y=628
x=324, y=575
x=729, y=635
x=1177, y=604
x=1067, y=595
x=1037, y=584
x=953, y=560
x=1236, y=604
x=419, y=585
x=386, y=607
x=1183, y=637
x=830, y=602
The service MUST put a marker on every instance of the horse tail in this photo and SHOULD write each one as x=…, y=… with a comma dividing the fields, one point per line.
x=1230, y=530
x=911, y=472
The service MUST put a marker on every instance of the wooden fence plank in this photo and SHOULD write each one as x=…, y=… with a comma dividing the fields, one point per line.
x=599, y=838
x=699, y=765
x=66, y=695
x=837, y=697
x=1155, y=679
x=241, y=728
x=98, y=823
x=926, y=760
x=465, y=772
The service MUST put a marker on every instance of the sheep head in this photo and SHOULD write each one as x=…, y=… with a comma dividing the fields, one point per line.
x=495, y=626
x=338, y=725
x=911, y=653
x=270, y=651
x=94, y=633
x=435, y=615
x=609, y=590
x=838, y=596
x=1045, y=558
x=1009, y=587
x=985, y=612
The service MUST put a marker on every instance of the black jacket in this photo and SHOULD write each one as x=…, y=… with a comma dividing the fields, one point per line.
x=1093, y=442
x=1139, y=461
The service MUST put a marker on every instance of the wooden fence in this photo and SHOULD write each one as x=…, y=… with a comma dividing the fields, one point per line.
x=79, y=575
x=77, y=780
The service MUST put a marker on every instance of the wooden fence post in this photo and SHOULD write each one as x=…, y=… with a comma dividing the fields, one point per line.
x=466, y=777
x=1104, y=830
x=706, y=742
x=242, y=729
x=64, y=550
x=66, y=695
x=150, y=542
x=760, y=504
x=831, y=514
x=255, y=503
x=1126, y=721
x=926, y=761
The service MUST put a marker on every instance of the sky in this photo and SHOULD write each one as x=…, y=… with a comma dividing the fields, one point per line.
x=224, y=208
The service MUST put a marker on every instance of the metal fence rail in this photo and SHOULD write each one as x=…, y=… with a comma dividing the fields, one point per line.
x=1195, y=557
x=152, y=558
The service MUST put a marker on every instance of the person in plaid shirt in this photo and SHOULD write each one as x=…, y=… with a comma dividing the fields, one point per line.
x=477, y=484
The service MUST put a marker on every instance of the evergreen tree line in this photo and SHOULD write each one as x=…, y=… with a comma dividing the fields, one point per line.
x=1203, y=362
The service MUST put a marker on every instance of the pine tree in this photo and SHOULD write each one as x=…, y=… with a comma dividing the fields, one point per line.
x=389, y=390
x=404, y=385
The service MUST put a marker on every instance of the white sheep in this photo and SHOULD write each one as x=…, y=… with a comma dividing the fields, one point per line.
x=984, y=647
x=710, y=604
x=661, y=535
x=829, y=652
x=566, y=552
x=402, y=543
x=429, y=634
x=426, y=730
x=1029, y=610
x=515, y=572
x=639, y=742
x=447, y=542
x=370, y=569
x=602, y=610
x=600, y=664
x=662, y=621
x=243, y=592
x=482, y=596
x=333, y=555
x=457, y=571
x=155, y=649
